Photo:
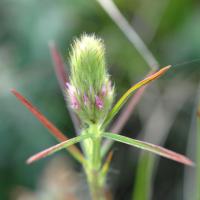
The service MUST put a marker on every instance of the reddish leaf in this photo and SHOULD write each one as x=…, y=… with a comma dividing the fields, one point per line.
x=55, y=148
x=58, y=65
x=57, y=133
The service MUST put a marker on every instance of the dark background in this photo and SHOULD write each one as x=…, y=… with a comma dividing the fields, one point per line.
x=171, y=30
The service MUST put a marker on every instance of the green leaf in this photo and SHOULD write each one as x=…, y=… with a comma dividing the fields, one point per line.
x=149, y=147
x=56, y=148
x=128, y=93
x=123, y=117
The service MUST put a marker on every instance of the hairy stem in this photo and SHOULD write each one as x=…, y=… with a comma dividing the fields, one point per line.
x=96, y=186
x=92, y=148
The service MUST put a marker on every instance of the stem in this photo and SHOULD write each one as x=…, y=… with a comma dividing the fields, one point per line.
x=92, y=148
x=96, y=186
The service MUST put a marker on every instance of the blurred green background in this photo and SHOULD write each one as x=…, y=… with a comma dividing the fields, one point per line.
x=171, y=30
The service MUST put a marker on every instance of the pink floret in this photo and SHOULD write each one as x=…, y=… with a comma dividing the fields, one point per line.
x=85, y=99
x=74, y=102
x=99, y=102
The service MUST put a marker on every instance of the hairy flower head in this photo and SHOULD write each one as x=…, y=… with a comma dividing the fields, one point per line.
x=89, y=91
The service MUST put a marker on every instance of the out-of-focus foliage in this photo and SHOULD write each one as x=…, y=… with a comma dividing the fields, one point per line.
x=169, y=27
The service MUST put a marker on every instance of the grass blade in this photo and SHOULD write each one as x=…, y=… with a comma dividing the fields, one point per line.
x=56, y=148
x=128, y=93
x=150, y=147
x=128, y=30
x=143, y=179
x=55, y=132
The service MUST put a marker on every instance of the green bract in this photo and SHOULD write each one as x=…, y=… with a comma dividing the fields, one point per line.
x=89, y=91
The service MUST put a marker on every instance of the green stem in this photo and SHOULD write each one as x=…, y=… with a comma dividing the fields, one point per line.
x=92, y=149
x=96, y=186
x=96, y=158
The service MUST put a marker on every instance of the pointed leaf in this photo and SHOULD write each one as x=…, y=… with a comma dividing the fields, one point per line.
x=127, y=94
x=127, y=110
x=123, y=117
x=58, y=65
x=57, y=133
x=56, y=148
x=149, y=147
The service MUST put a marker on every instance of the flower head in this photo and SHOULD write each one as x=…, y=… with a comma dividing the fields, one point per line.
x=89, y=92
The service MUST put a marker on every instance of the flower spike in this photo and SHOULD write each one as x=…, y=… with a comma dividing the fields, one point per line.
x=89, y=91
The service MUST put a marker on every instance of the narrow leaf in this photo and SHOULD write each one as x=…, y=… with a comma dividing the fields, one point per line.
x=58, y=65
x=123, y=117
x=127, y=110
x=56, y=148
x=127, y=94
x=150, y=147
x=106, y=165
x=57, y=133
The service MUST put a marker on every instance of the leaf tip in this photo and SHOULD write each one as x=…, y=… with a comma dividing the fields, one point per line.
x=189, y=163
x=29, y=161
x=164, y=69
x=168, y=66
x=51, y=44
x=37, y=156
x=13, y=90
